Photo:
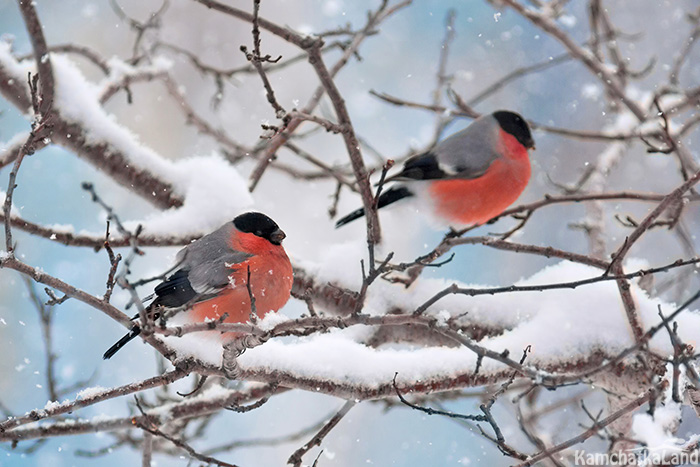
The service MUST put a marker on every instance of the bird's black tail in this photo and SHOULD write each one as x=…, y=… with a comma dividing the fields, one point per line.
x=391, y=195
x=135, y=331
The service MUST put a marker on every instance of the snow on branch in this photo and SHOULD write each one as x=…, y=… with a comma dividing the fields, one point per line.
x=369, y=324
x=80, y=125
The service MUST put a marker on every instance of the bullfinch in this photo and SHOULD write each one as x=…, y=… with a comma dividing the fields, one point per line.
x=468, y=178
x=212, y=275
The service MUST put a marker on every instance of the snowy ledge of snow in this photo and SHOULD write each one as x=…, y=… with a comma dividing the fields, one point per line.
x=87, y=393
x=77, y=101
x=494, y=314
x=340, y=267
x=61, y=228
x=657, y=431
x=271, y=320
x=55, y=405
x=12, y=67
x=562, y=326
x=214, y=191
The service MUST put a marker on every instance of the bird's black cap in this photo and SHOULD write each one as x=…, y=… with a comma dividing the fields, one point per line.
x=261, y=225
x=515, y=125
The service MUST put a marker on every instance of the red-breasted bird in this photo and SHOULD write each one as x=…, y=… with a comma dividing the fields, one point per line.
x=470, y=177
x=212, y=275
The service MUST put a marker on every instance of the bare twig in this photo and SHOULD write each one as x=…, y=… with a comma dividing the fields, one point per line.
x=597, y=68
x=46, y=320
x=373, y=19
x=98, y=396
x=351, y=143
x=272, y=389
x=147, y=449
x=682, y=56
x=182, y=445
x=295, y=458
x=41, y=56
x=257, y=60
x=431, y=411
x=639, y=401
x=113, y=264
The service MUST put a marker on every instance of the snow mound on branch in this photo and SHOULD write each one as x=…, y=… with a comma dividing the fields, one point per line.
x=77, y=100
x=657, y=431
x=214, y=192
x=336, y=357
x=563, y=326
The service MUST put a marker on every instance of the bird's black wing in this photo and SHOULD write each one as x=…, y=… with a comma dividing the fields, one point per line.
x=175, y=291
x=421, y=167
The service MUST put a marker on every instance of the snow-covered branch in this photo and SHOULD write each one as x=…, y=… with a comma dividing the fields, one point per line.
x=415, y=320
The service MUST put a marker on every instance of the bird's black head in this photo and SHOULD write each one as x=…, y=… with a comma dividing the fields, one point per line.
x=261, y=225
x=515, y=125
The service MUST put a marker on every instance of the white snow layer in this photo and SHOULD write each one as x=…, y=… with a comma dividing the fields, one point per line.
x=560, y=325
x=657, y=431
x=214, y=193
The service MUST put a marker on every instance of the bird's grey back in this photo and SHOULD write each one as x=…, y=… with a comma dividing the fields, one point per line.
x=210, y=258
x=471, y=151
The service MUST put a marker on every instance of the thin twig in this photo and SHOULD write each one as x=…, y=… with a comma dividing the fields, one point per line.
x=257, y=60
x=295, y=458
x=97, y=396
x=183, y=445
x=113, y=264
x=42, y=58
x=639, y=401
x=147, y=450
x=431, y=411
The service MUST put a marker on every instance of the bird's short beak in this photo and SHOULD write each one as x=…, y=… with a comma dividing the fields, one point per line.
x=532, y=145
x=277, y=236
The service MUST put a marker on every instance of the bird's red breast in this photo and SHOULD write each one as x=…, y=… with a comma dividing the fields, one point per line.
x=475, y=201
x=271, y=279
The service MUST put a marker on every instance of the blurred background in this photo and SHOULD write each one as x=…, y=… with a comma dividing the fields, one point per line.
x=401, y=60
